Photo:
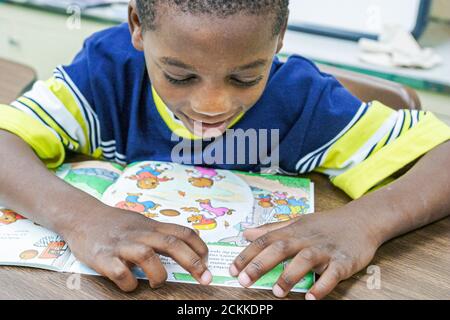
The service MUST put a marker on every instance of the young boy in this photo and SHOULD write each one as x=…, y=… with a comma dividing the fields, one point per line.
x=197, y=68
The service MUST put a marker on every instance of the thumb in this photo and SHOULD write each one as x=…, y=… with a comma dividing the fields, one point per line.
x=254, y=233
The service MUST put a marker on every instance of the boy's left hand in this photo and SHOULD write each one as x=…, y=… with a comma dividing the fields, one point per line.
x=335, y=244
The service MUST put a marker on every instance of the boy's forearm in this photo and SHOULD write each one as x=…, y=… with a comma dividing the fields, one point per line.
x=29, y=188
x=419, y=197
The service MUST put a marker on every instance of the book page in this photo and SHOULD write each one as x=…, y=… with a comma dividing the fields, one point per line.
x=212, y=202
x=218, y=205
x=92, y=177
x=25, y=243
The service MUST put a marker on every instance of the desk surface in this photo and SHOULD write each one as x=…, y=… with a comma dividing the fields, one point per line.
x=414, y=266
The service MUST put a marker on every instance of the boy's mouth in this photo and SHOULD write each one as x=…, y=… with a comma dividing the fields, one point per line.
x=207, y=129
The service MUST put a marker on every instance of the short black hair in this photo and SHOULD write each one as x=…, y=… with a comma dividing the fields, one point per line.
x=147, y=9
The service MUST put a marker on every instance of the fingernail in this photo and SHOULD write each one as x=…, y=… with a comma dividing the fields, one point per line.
x=310, y=296
x=278, y=292
x=244, y=279
x=206, y=277
x=233, y=270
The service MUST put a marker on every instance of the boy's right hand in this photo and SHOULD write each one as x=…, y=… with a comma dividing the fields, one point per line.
x=111, y=241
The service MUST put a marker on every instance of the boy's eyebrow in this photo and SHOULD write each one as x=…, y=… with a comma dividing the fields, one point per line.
x=176, y=63
x=251, y=65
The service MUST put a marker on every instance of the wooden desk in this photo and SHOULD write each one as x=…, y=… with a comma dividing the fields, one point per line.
x=414, y=266
x=14, y=78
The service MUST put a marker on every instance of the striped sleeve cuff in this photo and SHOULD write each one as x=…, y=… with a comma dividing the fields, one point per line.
x=417, y=134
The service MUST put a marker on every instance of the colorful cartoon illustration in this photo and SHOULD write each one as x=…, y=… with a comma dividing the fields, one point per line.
x=149, y=176
x=9, y=216
x=265, y=201
x=89, y=177
x=28, y=254
x=132, y=203
x=191, y=209
x=203, y=177
x=199, y=222
x=182, y=193
x=54, y=246
x=214, y=212
x=282, y=206
x=298, y=206
x=170, y=212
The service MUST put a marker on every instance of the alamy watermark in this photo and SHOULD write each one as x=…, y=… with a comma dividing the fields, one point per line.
x=234, y=147
x=73, y=22
x=373, y=282
x=73, y=282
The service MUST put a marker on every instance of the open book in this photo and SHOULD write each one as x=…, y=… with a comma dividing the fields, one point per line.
x=218, y=204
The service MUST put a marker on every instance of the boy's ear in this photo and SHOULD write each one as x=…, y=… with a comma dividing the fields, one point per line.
x=281, y=36
x=135, y=25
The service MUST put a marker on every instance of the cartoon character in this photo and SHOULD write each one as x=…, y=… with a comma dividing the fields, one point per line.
x=265, y=201
x=214, y=212
x=200, y=222
x=203, y=177
x=281, y=211
x=54, y=246
x=9, y=216
x=132, y=203
x=148, y=176
x=298, y=206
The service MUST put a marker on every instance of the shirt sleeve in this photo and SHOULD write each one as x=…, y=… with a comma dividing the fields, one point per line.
x=53, y=117
x=377, y=143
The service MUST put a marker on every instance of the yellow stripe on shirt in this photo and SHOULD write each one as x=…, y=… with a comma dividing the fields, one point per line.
x=344, y=148
x=67, y=99
x=427, y=134
x=44, y=142
x=45, y=117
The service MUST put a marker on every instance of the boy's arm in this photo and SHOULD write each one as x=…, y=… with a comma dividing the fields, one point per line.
x=343, y=241
x=107, y=239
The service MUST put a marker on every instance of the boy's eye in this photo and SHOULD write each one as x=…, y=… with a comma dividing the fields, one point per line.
x=247, y=83
x=179, y=81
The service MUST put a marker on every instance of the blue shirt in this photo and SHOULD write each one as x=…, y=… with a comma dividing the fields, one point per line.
x=103, y=105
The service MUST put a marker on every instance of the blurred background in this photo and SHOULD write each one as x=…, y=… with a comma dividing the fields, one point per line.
x=45, y=33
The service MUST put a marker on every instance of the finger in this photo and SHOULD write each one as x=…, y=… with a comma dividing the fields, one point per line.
x=297, y=269
x=179, y=251
x=148, y=260
x=254, y=249
x=116, y=270
x=188, y=235
x=268, y=259
x=320, y=268
x=253, y=233
x=327, y=282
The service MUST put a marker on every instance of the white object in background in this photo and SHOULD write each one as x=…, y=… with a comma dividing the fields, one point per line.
x=355, y=16
x=396, y=47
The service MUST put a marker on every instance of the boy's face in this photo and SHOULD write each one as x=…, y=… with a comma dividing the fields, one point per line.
x=207, y=70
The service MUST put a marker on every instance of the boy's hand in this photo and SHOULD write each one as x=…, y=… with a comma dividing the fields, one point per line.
x=334, y=244
x=113, y=241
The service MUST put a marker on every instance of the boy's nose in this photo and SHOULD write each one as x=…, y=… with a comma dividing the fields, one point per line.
x=212, y=104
